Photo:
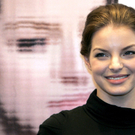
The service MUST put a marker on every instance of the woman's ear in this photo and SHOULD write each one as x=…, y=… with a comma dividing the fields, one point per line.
x=87, y=62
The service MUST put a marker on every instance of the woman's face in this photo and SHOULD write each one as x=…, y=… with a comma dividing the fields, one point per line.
x=112, y=61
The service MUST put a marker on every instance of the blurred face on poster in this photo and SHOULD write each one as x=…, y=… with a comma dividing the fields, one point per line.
x=40, y=42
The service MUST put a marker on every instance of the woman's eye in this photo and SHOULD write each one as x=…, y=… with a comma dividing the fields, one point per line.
x=101, y=55
x=129, y=53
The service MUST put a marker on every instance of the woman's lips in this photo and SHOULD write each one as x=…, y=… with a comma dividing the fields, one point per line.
x=117, y=79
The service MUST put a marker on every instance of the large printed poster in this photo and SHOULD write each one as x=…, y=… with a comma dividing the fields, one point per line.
x=41, y=70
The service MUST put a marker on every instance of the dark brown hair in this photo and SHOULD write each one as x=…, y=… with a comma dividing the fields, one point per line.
x=116, y=14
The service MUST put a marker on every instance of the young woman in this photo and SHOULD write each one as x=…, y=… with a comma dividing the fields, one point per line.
x=108, y=47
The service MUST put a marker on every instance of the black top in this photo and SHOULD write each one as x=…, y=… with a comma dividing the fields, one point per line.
x=94, y=118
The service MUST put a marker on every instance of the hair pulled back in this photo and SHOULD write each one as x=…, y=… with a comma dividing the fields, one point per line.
x=116, y=14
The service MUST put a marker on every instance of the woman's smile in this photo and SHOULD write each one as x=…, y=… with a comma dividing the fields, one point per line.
x=112, y=60
x=117, y=79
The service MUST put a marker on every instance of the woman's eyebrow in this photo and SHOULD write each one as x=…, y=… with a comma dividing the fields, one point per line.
x=122, y=49
x=128, y=47
x=99, y=49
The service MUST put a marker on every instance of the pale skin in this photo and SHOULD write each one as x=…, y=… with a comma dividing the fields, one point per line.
x=112, y=65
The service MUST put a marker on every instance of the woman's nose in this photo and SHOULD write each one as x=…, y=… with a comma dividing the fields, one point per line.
x=115, y=64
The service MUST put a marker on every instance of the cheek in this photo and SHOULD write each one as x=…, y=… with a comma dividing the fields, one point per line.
x=129, y=64
x=98, y=67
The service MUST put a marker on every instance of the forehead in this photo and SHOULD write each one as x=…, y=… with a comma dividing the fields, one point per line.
x=113, y=37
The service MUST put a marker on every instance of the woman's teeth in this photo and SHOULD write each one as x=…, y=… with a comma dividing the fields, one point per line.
x=116, y=78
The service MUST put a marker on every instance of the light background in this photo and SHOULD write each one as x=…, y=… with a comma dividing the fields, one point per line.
x=41, y=70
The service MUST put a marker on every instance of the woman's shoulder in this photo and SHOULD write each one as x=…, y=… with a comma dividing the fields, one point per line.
x=62, y=121
x=65, y=115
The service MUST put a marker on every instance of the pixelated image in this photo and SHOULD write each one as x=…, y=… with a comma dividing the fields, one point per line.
x=41, y=69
